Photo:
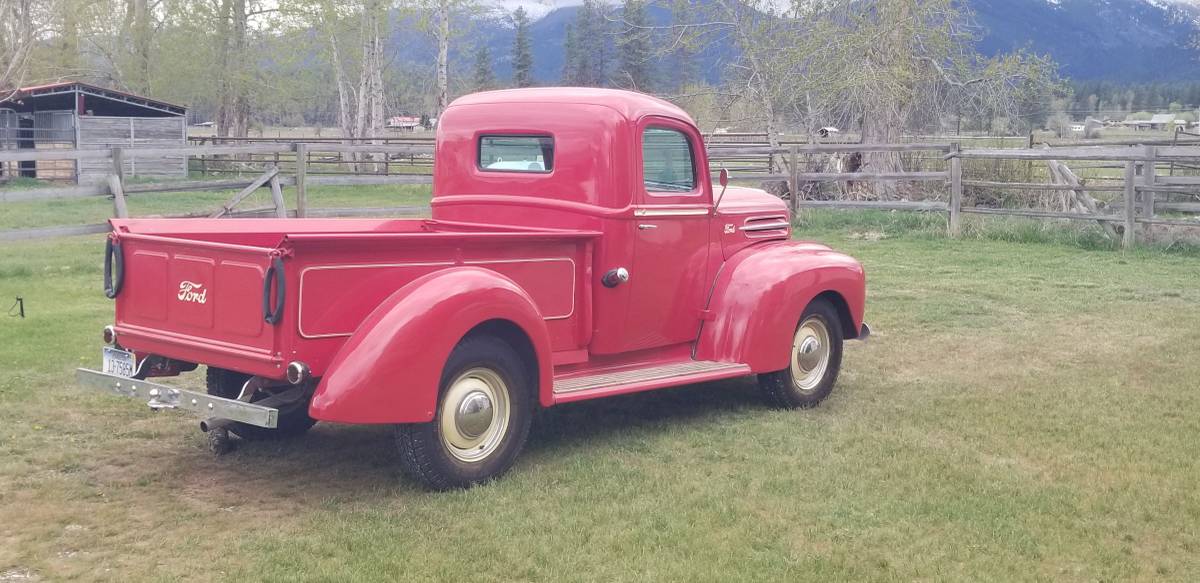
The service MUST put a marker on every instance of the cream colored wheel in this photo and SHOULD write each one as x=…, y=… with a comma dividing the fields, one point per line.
x=811, y=350
x=474, y=415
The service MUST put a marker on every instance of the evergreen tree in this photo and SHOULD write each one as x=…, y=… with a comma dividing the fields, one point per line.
x=484, y=78
x=522, y=56
x=585, y=30
x=636, y=69
x=570, y=72
x=591, y=37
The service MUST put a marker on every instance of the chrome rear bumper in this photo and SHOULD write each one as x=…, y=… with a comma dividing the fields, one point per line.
x=163, y=397
x=864, y=333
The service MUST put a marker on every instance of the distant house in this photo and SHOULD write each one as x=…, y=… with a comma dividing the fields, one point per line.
x=1159, y=121
x=1162, y=121
x=404, y=123
x=79, y=115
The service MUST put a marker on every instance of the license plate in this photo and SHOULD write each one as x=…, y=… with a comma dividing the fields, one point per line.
x=119, y=362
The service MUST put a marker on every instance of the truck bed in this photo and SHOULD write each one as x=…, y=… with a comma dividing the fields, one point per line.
x=202, y=291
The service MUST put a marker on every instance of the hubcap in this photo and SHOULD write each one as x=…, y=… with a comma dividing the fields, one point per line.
x=810, y=354
x=474, y=414
x=473, y=417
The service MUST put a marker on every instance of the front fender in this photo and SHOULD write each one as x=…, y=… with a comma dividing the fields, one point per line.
x=760, y=293
x=389, y=371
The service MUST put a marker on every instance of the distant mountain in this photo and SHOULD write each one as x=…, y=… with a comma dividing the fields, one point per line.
x=1113, y=40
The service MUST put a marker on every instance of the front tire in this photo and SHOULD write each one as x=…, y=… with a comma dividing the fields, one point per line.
x=485, y=406
x=814, y=363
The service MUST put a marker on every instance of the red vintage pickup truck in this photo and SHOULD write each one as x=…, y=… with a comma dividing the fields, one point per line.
x=577, y=249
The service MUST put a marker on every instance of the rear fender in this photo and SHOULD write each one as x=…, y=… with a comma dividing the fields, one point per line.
x=760, y=293
x=389, y=371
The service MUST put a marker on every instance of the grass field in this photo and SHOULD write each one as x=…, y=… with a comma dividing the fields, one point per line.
x=1025, y=411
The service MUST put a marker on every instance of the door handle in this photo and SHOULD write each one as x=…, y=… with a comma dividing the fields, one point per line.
x=646, y=227
x=615, y=277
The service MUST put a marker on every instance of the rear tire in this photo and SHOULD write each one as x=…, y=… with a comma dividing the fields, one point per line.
x=485, y=406
x=293, y=417
x=814, y=362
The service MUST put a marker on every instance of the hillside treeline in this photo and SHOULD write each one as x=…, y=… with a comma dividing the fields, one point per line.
x=1118, y=100
x=902, y=66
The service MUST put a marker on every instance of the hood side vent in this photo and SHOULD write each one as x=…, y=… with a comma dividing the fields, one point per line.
x=767, y=227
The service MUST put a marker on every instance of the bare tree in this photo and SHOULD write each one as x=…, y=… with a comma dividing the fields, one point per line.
x=370, y=80
x=443, y=59
x=139, y=30
x=19, y=29
x=886, y=66
x=233, y=94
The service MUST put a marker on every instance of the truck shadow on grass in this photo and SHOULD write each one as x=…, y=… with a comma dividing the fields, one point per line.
x=343, y=462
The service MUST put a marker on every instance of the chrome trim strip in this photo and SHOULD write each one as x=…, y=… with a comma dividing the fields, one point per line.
x=164, y=397
x=765, y=226
x=671, y=212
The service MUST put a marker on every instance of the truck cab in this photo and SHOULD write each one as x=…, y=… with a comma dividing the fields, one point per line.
x=577, y=249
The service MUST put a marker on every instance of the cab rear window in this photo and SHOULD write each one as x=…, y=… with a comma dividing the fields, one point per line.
x=516, y=154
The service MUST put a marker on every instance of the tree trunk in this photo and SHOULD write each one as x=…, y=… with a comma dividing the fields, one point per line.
x=886, y=114
x=369, y=112
x=443, y=59
x=233, y=107
x=883, y=125
x=345, y=105
x=140, y=32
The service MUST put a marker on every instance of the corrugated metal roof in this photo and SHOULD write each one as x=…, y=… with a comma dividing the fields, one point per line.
x=35, y=91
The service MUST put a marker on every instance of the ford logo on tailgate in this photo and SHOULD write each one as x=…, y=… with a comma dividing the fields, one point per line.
x=190, y=291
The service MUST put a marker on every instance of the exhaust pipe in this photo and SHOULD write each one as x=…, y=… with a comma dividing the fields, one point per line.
x=297, y=372
x=215, y=424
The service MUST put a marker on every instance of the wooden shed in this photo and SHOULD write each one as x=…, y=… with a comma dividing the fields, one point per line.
x=79, y=115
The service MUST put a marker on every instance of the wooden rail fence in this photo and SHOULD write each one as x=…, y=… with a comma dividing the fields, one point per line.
x=260, y=161
x=1147, y=170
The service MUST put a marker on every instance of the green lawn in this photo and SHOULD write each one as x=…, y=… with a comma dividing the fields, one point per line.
x=1025, y=411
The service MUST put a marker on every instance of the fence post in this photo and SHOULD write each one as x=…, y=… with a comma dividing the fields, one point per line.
x=956, y=190
x=301, y=180
x=794, y=179
x=116, y=184
x=1127, y=239
x=1148, y=179
x=277, y=195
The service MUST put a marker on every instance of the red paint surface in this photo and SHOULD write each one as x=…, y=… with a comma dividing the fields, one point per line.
x=374, y=306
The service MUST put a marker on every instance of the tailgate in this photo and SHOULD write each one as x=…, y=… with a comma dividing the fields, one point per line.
x=200, y=301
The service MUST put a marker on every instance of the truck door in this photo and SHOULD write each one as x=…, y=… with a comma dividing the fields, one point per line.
x=673, y=207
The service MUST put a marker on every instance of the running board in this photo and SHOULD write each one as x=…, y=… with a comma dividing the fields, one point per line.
x=644, y=379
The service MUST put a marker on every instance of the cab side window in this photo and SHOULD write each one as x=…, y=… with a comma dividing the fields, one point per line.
x=668, y=164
